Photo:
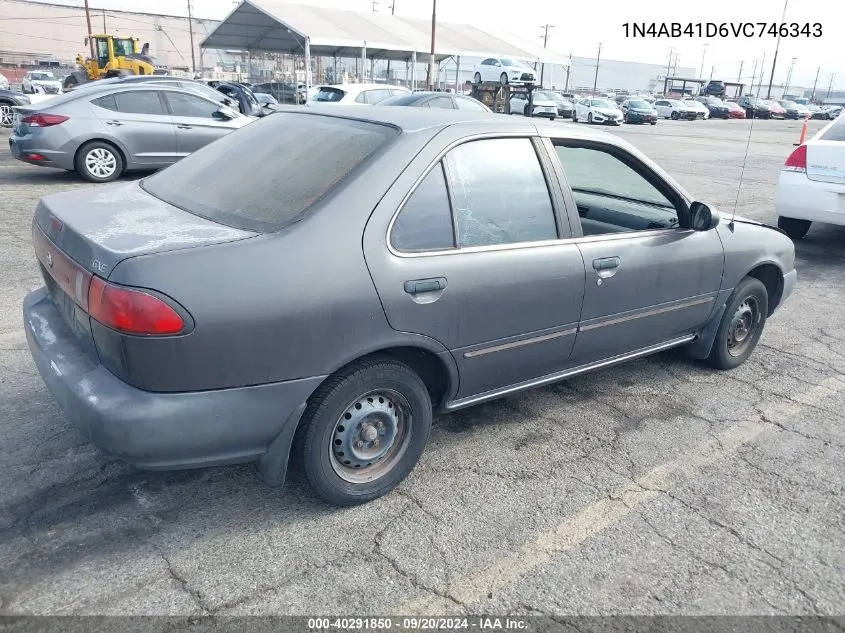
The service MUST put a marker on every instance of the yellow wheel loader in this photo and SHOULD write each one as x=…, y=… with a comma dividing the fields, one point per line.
x=115, y=57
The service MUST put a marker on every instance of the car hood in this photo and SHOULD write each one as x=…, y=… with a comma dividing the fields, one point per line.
x=608, y=111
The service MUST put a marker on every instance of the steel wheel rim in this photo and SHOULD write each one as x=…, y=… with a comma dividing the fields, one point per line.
x=5, y=116
x=370, y=436
x=744, y=325
x=101, y=162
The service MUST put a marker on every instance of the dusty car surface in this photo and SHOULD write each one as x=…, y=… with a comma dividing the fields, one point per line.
x=245, y=305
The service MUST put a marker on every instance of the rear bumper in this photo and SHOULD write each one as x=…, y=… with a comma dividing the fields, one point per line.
x=22, y=147
x=158, y=431
x=803, y=199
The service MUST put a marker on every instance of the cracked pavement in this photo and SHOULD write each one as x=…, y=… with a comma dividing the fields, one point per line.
x=657, y=487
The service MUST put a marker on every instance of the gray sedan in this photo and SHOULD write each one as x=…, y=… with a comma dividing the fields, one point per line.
x=251, y=305
x=102, y=132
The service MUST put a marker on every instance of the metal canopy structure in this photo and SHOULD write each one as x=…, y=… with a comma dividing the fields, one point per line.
x=268, y=25
x=699, y=82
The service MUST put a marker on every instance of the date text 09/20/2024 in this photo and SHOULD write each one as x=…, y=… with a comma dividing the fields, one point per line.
x=723, y=29
x=419, y=623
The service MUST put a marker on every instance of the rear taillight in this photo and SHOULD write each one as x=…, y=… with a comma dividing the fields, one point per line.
x=131, y=311
x=43, y=120
x=797, y=160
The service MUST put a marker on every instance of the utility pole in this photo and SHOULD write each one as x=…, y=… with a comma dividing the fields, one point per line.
x=815, y=83
x=775, y=60
x=830, y=85
x=598, y=59
x=703, y=53
x=739, y=79
x=669, y=65
x=90, y=40
x=712, y=70
x=191, y=31
x=431, y=58
x=392, y=12
x=375, y=4
x=789, y=76
x=568, y=70
x=104, y=21
x=545, y=37
x=753, y=76
x=762, y=70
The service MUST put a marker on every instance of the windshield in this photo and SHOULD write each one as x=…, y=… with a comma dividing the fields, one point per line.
x=509, y=62
x=329, y=94
x=243, y=181
x=714, y=101
x=43, y=76
x=675, y=103
x=638, y=103
x=752, y=101
x=539, y=94
x=123, y=47
x=602, y=103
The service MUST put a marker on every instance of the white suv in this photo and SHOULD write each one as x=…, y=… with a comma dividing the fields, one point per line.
x=811, y=186
x=355, y=94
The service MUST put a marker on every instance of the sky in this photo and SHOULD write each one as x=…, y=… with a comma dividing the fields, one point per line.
x=579, y=31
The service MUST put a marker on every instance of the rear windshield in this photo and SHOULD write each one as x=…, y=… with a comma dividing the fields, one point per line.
x=265, y=175
x=836, y=132
x=329, y=94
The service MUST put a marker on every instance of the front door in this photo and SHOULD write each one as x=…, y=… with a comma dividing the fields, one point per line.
x=479, y=259
x=197, y=121
x=649, y=278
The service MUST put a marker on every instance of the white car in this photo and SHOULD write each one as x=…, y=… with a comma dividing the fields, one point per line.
x=41, y=81
x=594, y=110
x=355, y=94
x=674, y=109
x=544, y=104
x=811, y=186
x=4, y=83
x=505, y=71
x=701, y=109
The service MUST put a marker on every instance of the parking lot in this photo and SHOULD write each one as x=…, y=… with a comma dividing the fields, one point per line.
x=658, y=487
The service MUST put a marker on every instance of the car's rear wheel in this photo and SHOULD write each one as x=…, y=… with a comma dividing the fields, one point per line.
x=364, y=430
x=98, y=161
x=503, y=79
x=741, y=326
x=589, y=117
x=675, y=116
x=794, y=228
x=6, y=115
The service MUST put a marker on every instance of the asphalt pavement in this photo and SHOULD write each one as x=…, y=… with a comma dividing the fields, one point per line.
x=658, y=487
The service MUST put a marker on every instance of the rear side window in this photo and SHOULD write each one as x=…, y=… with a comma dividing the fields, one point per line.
x=139, y=102
x=425, y=222
x=242, y=180
x=836, y=132
x=108, y=102
x=500, y=193
x=470, y=104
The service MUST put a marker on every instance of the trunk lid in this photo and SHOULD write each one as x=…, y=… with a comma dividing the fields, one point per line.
x=98, y=229
x=82, y=233
x=826, y=161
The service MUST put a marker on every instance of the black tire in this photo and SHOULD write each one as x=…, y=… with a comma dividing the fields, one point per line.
x=551, y=118
x=794, y=228
x=654, y=122
x=327, y=468
x=476, y=79
x=675, y=116
x=503, y=79
x=574, y=117
x=590, y=118
x=742, y=325
x=110, y=157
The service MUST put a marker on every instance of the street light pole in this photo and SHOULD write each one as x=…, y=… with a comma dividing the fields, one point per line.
x=815, y=83
x=596, y=79
x=703, y=53
x=775, y=60
x=545, y=37
x=431, y=58
x=789, y=76
x=191, y=31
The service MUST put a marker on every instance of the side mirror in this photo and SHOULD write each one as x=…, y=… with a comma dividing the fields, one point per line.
x=702, y=217
x=224, y=113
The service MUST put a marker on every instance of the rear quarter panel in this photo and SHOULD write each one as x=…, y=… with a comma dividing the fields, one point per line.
x=293, y=304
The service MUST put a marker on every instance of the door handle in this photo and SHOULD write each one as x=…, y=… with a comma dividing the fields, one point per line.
x=114, y=122
x=416, y=286
x=182, y=126
x=606, y=266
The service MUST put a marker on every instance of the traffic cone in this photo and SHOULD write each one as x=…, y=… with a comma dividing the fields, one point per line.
x=803, y=131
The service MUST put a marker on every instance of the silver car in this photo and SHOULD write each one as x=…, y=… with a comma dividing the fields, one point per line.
x=105, y=131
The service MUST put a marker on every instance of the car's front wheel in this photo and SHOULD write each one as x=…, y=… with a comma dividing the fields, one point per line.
x=675, y=116
x=99, y=162
x=794, y=228
x=590, y=118
x=476, y=80
x=742, y=325
x=503, y=79
x=364, y=430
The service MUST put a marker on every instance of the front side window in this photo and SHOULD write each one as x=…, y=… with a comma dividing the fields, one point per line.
x=611, y=195
x=500, y=193
x=465, y=103
x=182, y=104
x=425, y=222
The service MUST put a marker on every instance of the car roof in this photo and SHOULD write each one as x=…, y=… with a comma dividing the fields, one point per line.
x=356, y=88
x=68, y=97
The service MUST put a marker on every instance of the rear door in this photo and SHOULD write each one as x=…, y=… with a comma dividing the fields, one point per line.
x=826, y=156
x=140, y=121
x=478, y=258
x=197, y=121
